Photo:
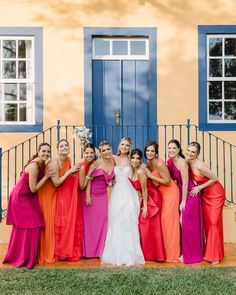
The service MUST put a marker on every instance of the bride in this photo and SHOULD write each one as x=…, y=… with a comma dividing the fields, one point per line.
x=122, y=245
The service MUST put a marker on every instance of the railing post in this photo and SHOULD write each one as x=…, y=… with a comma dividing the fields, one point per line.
x=1, y=185
x=58, y=129
x=188, y=131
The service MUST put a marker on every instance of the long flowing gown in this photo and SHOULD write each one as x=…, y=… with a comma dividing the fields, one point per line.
x=213, y=198
x=150, y=229
x=192, y=229
x=123, y=242
x=96, y=214
x=47, y=202
x=170, y=219
x=68, y=218
x=25, y=215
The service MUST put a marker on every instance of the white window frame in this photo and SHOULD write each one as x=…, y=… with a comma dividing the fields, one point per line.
x=222, y=79
x=111, y=56
x=30, y=103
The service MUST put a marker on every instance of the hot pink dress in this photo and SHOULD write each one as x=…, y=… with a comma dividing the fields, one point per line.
x=25, y=215
x=192, y=230
x=95, y=216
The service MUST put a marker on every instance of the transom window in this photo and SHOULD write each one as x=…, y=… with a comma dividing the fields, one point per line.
x=17, y=80
x=221, y=78
x=120, y=48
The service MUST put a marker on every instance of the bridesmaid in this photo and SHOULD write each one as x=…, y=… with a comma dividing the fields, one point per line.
x=158, y=172
x=213, y=198
x=24, y=212
x=47, y=203
x=192, y=232
x=95, y=204
x=150, y=214
x=68, y=231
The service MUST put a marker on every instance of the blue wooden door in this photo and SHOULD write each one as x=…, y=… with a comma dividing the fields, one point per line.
x=120, y=99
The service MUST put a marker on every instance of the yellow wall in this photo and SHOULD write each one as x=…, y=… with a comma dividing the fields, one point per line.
x=177, y=51
x=63, y=23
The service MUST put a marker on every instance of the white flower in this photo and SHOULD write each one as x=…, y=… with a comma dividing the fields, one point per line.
x=82, y=133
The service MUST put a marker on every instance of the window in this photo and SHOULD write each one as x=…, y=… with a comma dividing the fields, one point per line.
x=217, y=77
x=20, y=80
x=120, y=48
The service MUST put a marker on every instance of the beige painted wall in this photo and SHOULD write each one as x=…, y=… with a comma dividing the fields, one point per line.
x=63, y=22
x=177, y=55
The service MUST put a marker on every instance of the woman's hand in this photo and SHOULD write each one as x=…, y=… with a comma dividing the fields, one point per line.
x=182, y=206
x=75, y=168
x=147, y=173
x=144, y=211
x=50, y=173
x=88, y=200
x=195, y=191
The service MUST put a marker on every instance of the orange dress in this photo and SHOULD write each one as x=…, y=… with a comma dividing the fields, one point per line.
x=213, y=199
x=68, y=218
x=170, y=219
x=47, y=202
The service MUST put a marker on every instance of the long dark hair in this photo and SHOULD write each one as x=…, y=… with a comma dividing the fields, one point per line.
x=156, y=147
x=89, y=145
x=136, y=152
x=37, y=154
x=176, y=142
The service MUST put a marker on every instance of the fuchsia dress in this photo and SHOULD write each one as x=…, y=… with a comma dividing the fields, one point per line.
x=150, y=227
x=192, y=230
x=95, y=216
x=25, y=215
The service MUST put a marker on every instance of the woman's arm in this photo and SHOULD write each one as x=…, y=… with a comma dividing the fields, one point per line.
x=163, y=171
x=88, y=197
x=183, y=167
x=204, y=170
x=56, y=178
x=33, y=171
x=143, y=181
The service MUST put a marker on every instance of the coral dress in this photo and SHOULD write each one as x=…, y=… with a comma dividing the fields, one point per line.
x=122, y=245
x=192, y=229
x=170, y=219
x=25, y=215
x=96, y=214
x=150, y=227
x=47, y=202
x=213, y=198
x=68, y=218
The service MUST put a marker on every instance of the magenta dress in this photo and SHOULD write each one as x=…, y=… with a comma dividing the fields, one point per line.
x=192, y=229
x=95, y=216
x=25, y=215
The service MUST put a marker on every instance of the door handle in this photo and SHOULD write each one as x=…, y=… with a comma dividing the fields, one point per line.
x=118, y=117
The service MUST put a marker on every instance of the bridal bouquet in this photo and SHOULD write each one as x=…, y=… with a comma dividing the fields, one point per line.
x=83, y=134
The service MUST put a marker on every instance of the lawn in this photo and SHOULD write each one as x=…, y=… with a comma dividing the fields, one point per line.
x=160, y=280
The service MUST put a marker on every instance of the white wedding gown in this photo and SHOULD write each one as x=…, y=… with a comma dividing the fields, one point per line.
x=122, y=245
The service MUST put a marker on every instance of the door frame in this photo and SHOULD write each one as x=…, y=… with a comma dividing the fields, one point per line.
x=89, y=33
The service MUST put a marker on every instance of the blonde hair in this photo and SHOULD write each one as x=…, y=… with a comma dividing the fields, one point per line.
x=129, y=141
x=102, y=143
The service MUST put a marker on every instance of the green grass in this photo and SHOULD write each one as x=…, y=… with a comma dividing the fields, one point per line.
x=160, y=280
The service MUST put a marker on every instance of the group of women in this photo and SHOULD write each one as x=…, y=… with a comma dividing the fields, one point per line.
x=156, y=211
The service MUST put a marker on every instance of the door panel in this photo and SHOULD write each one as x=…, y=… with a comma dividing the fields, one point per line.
x=120, y=86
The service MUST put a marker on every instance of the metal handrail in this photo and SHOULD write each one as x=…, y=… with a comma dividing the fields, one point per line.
x=216, y=152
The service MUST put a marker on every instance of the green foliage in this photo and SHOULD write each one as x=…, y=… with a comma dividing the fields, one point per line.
x=159, y=280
